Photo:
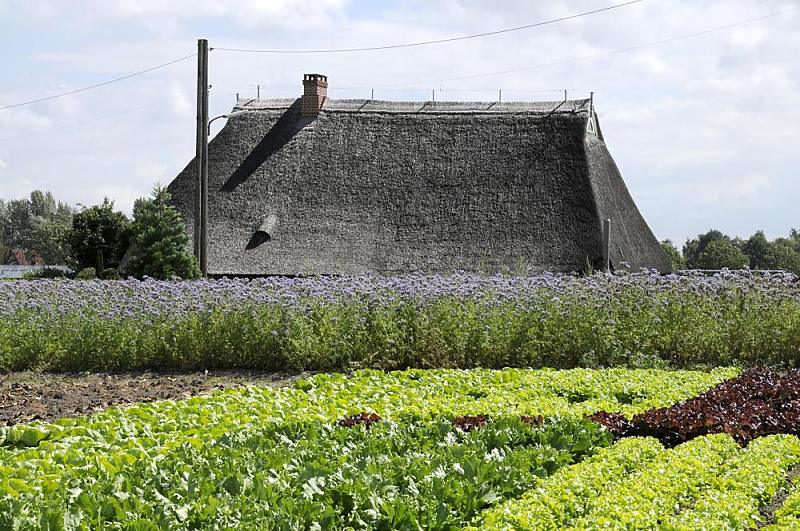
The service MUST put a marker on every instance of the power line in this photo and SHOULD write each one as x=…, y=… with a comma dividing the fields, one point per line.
x=436, y=41
x=90, y=120
x=593, y=56
x=442, y=89
x=104, y=83
x=365, y=87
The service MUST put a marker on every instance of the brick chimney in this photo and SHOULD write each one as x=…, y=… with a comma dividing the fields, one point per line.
x=315, y=91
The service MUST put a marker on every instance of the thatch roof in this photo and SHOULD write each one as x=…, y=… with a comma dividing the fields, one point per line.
x=375, y=186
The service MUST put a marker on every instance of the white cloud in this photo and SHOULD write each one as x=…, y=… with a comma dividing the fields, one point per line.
x=183, y=104
x=14, y=122
x=163, y=18
x=709, y=121
x=742, y=189
x=652, y=64
x=13, y=189
x=152, y=171
x=3, y=164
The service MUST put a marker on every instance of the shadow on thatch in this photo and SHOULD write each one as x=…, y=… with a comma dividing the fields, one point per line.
x=289, y=124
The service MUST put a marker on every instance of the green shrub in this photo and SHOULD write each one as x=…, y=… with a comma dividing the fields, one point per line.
x=98, y=237
x=110, y=273
x=87, y=273
x=46, y=272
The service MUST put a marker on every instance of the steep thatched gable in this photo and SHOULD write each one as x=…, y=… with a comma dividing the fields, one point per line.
x=371, y=186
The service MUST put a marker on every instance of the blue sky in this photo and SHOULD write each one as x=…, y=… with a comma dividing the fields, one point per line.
x=704, y=129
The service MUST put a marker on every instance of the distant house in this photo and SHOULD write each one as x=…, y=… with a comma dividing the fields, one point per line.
x=320, y=186
x=26, y=258
x=15, y=271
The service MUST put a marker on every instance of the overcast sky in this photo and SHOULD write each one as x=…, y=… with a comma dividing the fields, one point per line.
x=704, y=129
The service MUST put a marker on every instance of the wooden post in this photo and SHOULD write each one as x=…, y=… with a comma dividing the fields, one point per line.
x=201, y=156
x=607, y=245
x=500, y=96
x=198, y=156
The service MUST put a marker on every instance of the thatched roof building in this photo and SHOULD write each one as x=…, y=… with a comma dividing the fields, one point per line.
x=319, y=186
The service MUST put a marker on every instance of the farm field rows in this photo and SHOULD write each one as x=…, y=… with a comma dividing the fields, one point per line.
x=441, y=444
x=431, y=449
x=707, y=483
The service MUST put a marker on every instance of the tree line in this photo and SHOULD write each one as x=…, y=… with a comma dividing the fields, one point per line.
x=715, y=250
x=97, y=241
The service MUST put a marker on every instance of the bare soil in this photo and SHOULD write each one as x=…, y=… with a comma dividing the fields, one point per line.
x=768, y=511
x=28, y=396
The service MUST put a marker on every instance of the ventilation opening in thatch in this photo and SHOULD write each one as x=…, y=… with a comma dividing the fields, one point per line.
x=264, y=232
x=258, y=238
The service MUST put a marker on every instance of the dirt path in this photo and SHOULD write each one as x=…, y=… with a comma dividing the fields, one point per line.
x=27, y=396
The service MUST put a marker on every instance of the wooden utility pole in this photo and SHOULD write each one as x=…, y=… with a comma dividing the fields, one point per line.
x=607, y=245
x=198, y=154
x=201, y=157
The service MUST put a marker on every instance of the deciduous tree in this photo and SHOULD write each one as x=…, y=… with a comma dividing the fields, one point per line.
x=694, y=248
x=674, y=255
x=720, y=254
x=37, y=225
x=99, y=237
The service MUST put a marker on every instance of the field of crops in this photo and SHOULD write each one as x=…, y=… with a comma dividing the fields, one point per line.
x=443, y=445
x=417, y=449
x=455, y=321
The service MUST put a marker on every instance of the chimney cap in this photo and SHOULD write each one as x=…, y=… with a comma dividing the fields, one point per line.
x=315, y=77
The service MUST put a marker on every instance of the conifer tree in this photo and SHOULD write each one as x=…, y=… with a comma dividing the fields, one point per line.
x=159, y=241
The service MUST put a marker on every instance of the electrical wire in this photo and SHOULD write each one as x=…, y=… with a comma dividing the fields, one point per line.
x=593, y=56
x=96, y=85
x=90, y=120
x=355, y=88
x=436, y=41
x=390, y=86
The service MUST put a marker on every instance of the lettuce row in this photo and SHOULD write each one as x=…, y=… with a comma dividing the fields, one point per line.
x=414, y=392
x=561, y=498
x=425, y=475
x=645, y=500
x=750, y=481
x=692, y=487
x=117, y=436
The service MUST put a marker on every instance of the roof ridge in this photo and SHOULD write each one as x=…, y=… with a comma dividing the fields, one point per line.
x=424, y=107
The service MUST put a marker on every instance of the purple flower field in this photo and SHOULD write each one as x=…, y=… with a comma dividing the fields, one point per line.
x=412, y=320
